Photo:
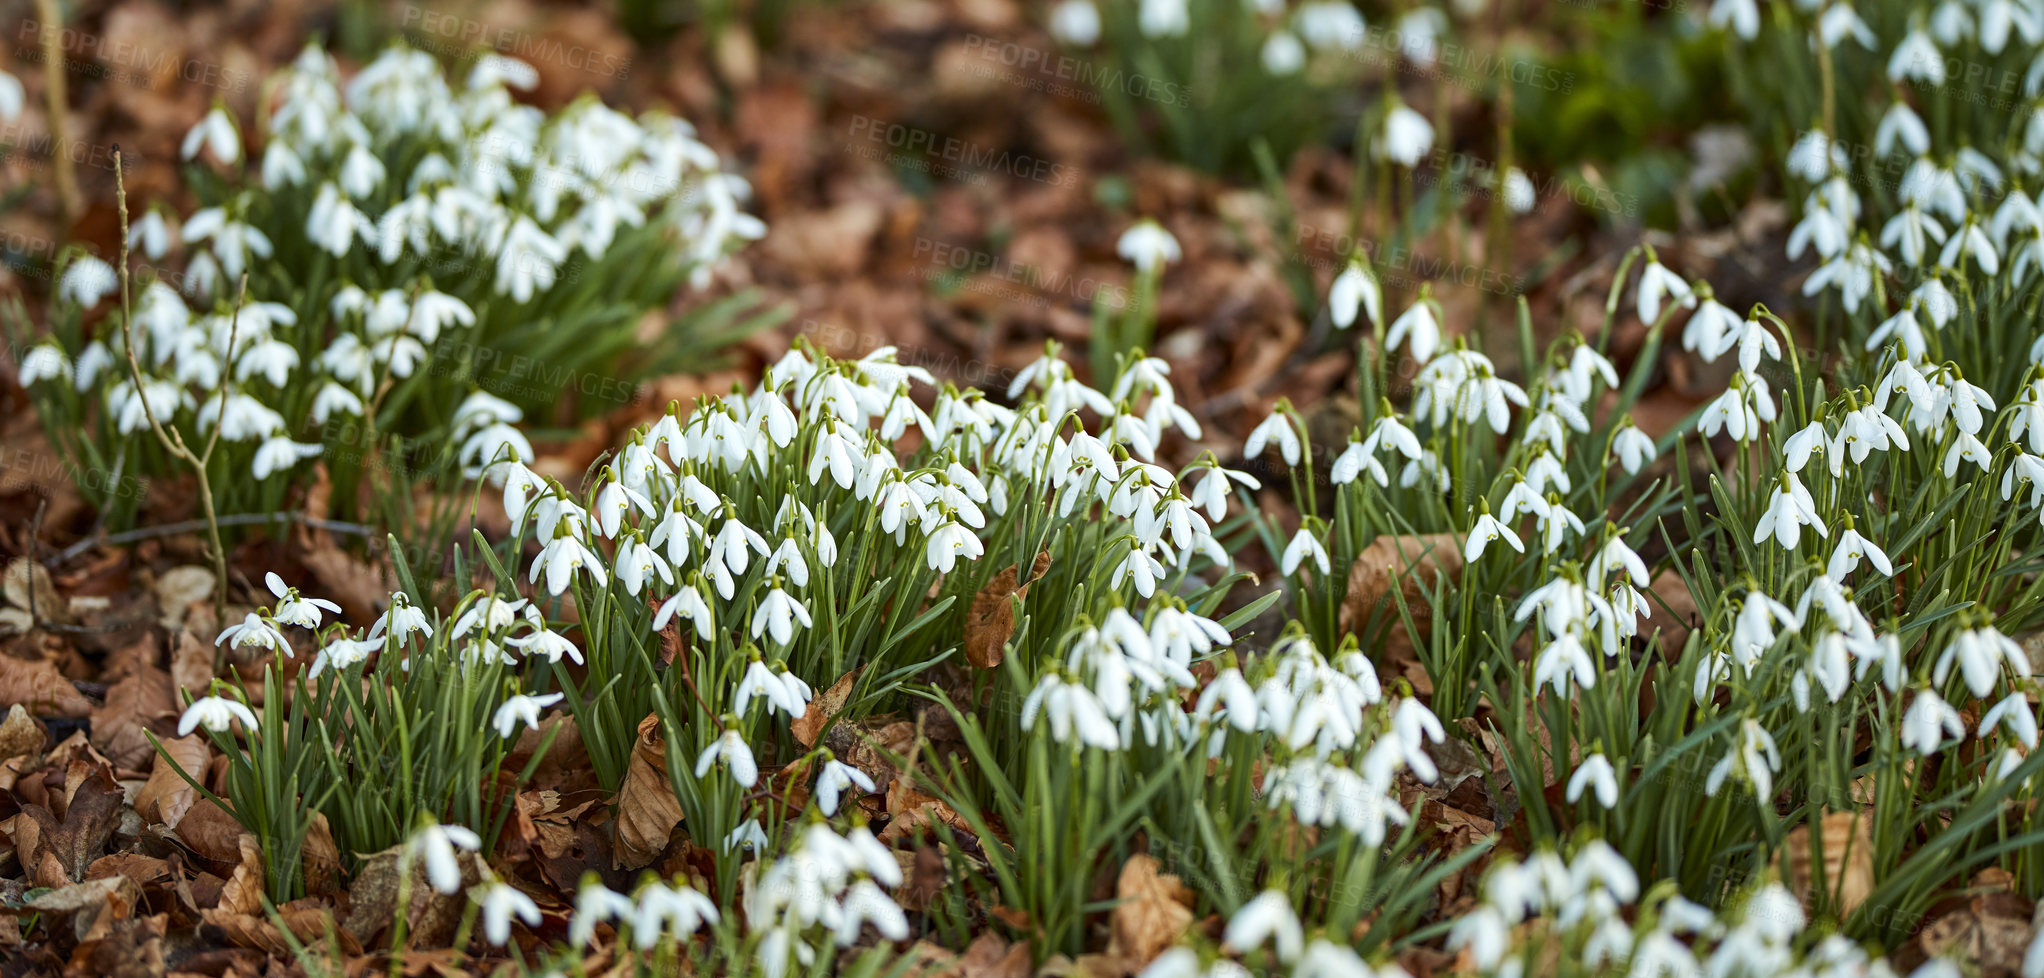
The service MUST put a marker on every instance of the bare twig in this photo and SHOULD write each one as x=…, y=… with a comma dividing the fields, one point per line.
x=54, y=92
x=173, y=440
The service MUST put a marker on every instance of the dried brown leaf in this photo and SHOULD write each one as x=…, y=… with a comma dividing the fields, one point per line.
x=166, y=796
x=37, y=685
x=1412, y=564
x=21, y=733
x=823, y=709
x=1152, y=914
x=1846, y=841
x=647, y=810
x=991, y=620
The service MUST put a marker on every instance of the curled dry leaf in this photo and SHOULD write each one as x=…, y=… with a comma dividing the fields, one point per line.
x=1152, y=913
x=647, y=810
x=37, y=685
x=92, y=906
x=178, y=589
x=823, y=709
x=1846, y=841
x=991, y=620
x=1991, y=931
x=167, y=796
x=321, y=858
x=144, y=695
x=21, y=733
x=1411, y=563
x=32, y=596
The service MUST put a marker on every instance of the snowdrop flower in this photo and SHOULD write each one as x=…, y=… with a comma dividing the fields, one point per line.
x=86, y=281
x=439, y=846
x=1275, y=428
x=671, y=912
x=1520, y=194
x=1163, y=18
x=2015, y=711
x=501, y=901
x=521, y=710
x=44, y=361
x=1075, y=22
x=1929, y=721
x=1979, y=653
x=1330, y=25
x=151, y=236
x=561, y=558
x=295, y=610
x=1633, y=447
x=1283, y=54
x=1420, y=323
x=1595, y=773
x=1407, y=136
x=1268, y=917
x=1789, y=509
x=1211, y=492
x=950, y=542
x=254, y=632
x=12, y=97
x=1147, y=245
x=1355, y=290
x=217, y=714
x=1838, y=22
x=731, y=749
x=215, y=132
x=1708, y=326
x=686, y=603
x=1487, y=529
x=1756, y=759
x=1656, y=285
x=1742, y=17
x=834, y=779
x=343, y=653
x=1916, y=58
x=777, y=614
x=1304, y=544
x=1845, y=557
x=400, y=620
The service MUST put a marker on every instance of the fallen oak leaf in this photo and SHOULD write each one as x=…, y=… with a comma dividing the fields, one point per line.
x=647, y=810
x=21, y=733
x=167, y=796
x=1151, y=913
x=817, y=717
x=1848, y=854
x=37, y=685
x=990, y=622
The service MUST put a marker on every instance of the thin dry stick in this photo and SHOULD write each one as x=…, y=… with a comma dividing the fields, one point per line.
x=54, y=92
x=173, y=440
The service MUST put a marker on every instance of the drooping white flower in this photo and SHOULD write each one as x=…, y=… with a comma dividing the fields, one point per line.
x=1267, y=918
x=732, y=751
x=500, y=903
x=439, y=847
x=1928, y=722
x=1407, y=136
x=215, y=713
x=1147, y=245
x=1597, y=774
x=521, y=711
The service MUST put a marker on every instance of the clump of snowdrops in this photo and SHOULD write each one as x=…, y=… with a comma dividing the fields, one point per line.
x=429, y=263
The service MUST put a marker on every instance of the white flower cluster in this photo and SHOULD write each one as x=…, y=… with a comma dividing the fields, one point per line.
x=494, y=198
x=836, y=883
